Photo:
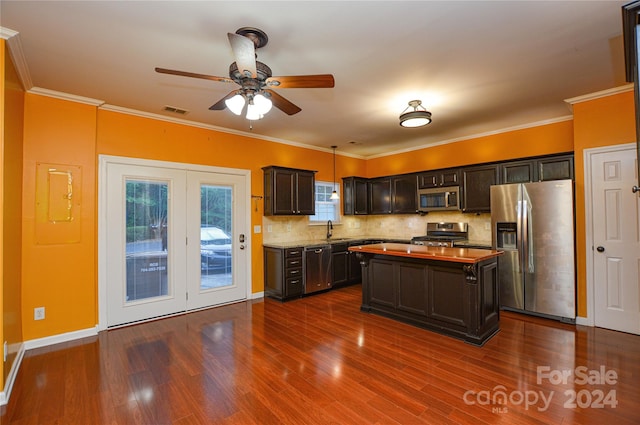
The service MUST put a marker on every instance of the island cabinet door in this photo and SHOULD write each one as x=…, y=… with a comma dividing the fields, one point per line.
x=412, y=289
x=382, y=288
x=448, y=297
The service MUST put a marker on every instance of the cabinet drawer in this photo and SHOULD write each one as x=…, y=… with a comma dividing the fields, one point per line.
x=294, y=286
x=294, y=262
x=294, y=273
x=293, y=252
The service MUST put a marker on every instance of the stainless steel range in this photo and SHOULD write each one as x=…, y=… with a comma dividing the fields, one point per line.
x=442, y=234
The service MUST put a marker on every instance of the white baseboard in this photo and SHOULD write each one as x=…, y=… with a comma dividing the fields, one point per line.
x=584, y=321
x=56, y=339
x=256, y=295
x=11, y=378
x=37, y=343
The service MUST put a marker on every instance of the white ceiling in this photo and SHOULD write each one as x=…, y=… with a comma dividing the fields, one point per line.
x=478, y=66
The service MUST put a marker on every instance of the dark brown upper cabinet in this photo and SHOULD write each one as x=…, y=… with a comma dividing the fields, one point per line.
x=517, y=172
x=393, y=195
x=289, y=191
x=558, y=167
x=439, y=178
x=380, y=195
x=476, y=193
x=355, y=196
x=404, y=194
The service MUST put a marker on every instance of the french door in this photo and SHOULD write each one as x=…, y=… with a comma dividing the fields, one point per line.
x=172, y=238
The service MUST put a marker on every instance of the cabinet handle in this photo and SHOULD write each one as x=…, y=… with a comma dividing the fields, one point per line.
x=295, y=282
x=295, y=271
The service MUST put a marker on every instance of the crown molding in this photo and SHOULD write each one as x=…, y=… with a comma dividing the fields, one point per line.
x=475, y=136
x=66, y=96
x=16, y=53
x=599, y=94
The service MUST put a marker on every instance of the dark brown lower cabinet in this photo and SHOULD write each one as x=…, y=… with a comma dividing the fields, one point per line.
x=455, y=299
x=283, y=272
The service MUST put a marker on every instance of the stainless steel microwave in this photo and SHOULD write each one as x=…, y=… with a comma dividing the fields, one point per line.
x=439, y=199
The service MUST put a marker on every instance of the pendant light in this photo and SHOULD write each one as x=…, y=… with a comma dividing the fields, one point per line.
x=334, y=195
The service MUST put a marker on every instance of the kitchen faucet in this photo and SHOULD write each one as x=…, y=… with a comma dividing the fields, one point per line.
x=329, y=229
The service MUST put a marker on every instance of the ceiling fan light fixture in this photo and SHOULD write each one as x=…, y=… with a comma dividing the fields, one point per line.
x=262, y=103
x=415, y=115
x=253, y=113
x=235, y=104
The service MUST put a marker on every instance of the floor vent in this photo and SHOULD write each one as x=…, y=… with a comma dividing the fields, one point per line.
x=175, y=110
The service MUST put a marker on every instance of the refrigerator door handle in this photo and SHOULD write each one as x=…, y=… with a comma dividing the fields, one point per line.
x=527, y=248
x=519, y=232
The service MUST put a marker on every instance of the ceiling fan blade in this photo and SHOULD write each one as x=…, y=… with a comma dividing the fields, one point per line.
x=302, y=81
x=283, y=104
x=194, y=75
x=220, y=105
x=245, y=52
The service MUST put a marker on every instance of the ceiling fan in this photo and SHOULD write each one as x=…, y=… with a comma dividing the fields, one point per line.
x=255, y=79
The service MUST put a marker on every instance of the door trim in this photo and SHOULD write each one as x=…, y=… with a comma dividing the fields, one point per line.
x=589, y=320
x=103, y=161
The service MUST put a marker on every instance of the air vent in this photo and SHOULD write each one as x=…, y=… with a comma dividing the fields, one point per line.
x=175, y=110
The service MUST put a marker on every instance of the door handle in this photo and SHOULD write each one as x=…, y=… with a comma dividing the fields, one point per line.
x=600, y=249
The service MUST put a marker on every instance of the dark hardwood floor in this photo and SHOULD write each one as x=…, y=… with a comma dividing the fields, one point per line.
x=319, y=360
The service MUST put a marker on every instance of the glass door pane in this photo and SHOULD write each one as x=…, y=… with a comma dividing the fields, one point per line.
x=147, y=240
x=216, y=226
x=144, y=242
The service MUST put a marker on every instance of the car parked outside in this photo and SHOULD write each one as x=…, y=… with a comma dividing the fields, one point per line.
x=215, y=250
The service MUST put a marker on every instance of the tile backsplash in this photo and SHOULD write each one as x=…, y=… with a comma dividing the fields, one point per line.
x=293, y=228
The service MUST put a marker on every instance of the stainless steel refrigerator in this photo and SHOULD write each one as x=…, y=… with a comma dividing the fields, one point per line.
x=533, y=223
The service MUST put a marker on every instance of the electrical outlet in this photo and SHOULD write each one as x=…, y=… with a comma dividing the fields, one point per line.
x=288, y=227
x=38, y=313
x=6, y=350
x=487, y=226
x=269, y=228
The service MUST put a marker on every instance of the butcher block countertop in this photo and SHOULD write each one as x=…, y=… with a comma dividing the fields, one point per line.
x=458, y=255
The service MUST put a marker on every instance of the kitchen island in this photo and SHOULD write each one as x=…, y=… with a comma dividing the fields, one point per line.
x=453, y=291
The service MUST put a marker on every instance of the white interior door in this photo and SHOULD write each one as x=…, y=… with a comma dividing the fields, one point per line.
x=616, y=240
x=216, y=271
x=172, y=238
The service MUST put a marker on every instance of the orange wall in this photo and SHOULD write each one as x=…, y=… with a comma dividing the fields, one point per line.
x=541, y=140
x=600, y=122
x=59, y=276
x=11, y=166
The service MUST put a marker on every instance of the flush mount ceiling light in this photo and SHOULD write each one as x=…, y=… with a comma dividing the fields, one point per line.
x=415, y=115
